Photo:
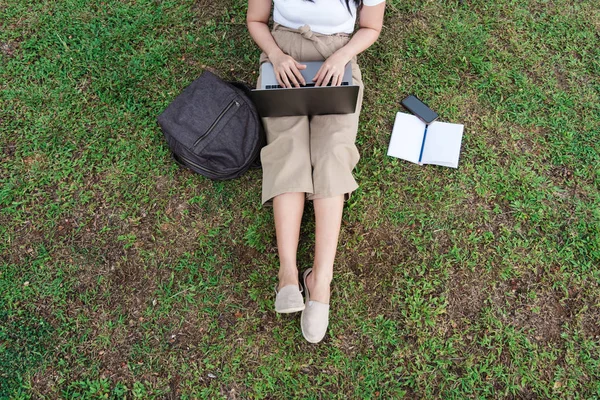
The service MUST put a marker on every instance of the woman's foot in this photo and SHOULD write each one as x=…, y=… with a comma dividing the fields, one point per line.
x=289, y=299
x=288, y=296
x=315, y=316
x=319, y=288
x=287, y=277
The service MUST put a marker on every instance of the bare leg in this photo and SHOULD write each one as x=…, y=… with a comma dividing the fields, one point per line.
x=288, y=209
x=328, y=219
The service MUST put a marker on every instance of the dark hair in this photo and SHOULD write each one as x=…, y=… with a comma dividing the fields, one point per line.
x=357, y=2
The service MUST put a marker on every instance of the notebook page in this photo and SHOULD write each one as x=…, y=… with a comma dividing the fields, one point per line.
x=442, y=146
x=407, y=137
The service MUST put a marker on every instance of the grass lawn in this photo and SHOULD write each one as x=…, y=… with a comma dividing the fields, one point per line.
x=122, y=275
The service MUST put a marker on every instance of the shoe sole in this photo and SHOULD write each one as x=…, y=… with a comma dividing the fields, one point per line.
x=289, y=310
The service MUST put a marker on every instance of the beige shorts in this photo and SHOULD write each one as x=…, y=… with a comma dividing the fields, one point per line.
x=314, y=155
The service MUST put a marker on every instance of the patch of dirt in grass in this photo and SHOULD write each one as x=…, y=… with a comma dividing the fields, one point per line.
x=467, y=292
x=130, y=285
x=569, y=186
x=8, y=49
x=124, y=267
x=247, y=258
x=532, y=307
x=541, y=74
x=233, y=392
x=113, y=277
x=373, y=254
x=207, y=9
x=527, y=144
x=397, y=22
x=561, y=78
x=45, y=382
x=544, y=317
x=590, y=322
x=23, y=242
x=372, y=258
x=582, y=310
x=561, y=174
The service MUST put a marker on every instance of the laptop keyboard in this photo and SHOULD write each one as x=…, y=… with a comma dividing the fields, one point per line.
x=307, y=85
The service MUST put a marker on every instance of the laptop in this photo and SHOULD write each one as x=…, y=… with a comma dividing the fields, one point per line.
x=272, y=100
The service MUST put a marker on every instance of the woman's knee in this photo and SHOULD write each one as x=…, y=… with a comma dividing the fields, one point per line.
x=335, y=164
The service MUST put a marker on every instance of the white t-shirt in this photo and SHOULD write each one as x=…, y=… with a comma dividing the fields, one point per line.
x=323, y=16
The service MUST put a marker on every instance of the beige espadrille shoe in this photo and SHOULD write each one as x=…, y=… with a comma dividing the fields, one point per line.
x=288, y=299
x=315, y=317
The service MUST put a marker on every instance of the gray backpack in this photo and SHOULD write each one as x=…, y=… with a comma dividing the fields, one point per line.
x=213, y=128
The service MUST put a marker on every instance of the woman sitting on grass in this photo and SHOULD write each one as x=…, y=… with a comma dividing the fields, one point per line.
x=311, y=157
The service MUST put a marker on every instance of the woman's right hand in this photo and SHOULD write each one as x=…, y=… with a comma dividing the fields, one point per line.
x=287, y=70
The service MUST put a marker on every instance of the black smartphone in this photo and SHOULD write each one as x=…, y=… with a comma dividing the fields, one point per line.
x=420, y=109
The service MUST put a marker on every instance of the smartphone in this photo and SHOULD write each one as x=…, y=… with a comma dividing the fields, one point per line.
x=420, y=109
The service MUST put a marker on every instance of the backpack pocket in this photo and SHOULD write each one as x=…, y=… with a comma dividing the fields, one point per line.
x=220, y=121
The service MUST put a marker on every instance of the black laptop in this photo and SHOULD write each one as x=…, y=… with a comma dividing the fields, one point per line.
x=272, y=100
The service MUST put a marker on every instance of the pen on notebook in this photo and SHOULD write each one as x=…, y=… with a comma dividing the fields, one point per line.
x=423, y=144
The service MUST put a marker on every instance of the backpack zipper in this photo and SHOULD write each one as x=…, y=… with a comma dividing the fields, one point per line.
x=214, y=124
x=210, y=171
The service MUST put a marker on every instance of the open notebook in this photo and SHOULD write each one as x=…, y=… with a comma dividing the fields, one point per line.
x=437, y=143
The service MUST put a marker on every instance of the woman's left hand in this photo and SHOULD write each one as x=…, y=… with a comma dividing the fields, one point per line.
x=332, y=70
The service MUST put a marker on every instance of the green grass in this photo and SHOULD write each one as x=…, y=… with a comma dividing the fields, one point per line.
x=122, y=275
